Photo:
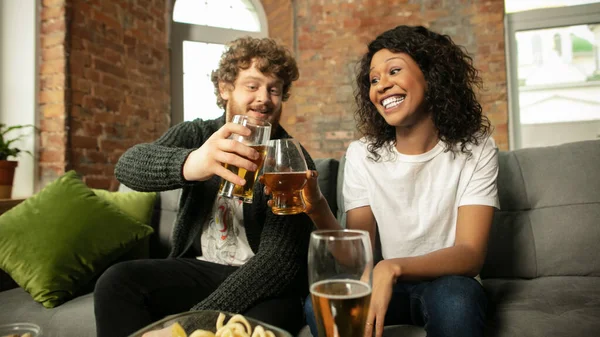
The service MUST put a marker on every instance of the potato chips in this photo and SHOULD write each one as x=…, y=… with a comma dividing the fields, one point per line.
x=237, y=326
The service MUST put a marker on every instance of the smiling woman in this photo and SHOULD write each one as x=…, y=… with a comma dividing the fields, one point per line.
x=200, y=30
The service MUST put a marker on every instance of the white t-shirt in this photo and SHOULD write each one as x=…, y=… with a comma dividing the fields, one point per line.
x=223, y=238
x=415, y=198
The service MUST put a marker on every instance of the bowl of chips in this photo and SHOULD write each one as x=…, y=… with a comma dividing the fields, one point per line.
x=210, y=323
x=19, y=330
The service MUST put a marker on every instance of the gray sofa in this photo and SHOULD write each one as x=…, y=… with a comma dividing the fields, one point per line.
x=542, y=271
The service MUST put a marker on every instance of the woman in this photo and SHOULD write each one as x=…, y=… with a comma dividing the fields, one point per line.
x=424, y=175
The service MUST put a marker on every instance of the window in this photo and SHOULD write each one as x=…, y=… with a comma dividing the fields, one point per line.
x=554, y=72
x=513, y=6
x=199, y=32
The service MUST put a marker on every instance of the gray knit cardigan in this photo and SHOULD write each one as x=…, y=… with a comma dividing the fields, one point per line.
x=280, y=243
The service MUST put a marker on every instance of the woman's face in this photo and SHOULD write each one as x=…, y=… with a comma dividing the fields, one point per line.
x=397, y=88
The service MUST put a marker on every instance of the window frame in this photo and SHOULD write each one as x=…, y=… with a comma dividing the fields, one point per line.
x=534, y=20
x=181, y=32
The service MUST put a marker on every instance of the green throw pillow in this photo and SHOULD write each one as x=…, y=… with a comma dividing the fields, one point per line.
x=140, y=206
x=56, y=241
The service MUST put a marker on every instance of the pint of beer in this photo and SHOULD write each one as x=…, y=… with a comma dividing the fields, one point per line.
x=261, y=132
x=340, y=271
x=341, y=307
x=285, y=174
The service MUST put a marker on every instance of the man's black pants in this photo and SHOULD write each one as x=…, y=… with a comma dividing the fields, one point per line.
x=133, y=294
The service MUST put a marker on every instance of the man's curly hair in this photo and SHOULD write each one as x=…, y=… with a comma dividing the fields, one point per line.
x=449, y=97
x=270, y=58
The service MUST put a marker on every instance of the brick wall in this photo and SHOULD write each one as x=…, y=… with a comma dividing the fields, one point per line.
x=332, y=35
x=52, y=95
x=115, y=85
x=104, y=74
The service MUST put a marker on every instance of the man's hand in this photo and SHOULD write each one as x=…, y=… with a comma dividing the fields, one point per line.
x=383, y=282
x=208, y=160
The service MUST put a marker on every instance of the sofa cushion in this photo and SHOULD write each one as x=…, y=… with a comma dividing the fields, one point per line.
x=328, y=172
x=544, y=307
x=138, y=205
x=74, y=318
x=55, y=242
x=550, y=206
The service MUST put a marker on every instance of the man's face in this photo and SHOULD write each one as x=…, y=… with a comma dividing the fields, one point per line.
x=254, y=94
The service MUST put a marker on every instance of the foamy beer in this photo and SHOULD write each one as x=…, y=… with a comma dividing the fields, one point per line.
x=285, y=174
x=340, y=271
x=258, y=139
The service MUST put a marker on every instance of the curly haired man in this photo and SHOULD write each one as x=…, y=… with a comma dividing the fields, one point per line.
x=261, y=272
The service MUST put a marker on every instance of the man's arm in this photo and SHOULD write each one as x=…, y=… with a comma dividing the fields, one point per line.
x=157, y=166
x=187, y=153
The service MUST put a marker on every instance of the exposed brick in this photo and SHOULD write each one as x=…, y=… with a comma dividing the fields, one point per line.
x=54, y=3
x=52, y=156
x=51, y=96
x=55, y=25
x=53, y=140
x=56, y=52
x=52, y=110
x=52, y=67
x=52, y=124
x=100, y=183
x=84, y=142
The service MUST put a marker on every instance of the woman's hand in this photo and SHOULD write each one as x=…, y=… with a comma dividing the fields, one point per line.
x=384, y=278
x=311, y=193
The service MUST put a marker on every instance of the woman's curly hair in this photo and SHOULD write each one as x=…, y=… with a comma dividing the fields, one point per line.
x=449, y=97
x=270, y=58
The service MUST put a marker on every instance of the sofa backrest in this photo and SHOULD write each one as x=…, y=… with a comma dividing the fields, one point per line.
x=163, y=219
x=549, y=222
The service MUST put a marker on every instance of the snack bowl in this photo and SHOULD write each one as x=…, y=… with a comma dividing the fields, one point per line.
x=20, y=329
x=205, y=320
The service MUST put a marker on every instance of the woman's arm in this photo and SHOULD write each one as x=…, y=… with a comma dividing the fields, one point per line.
x=466, y=257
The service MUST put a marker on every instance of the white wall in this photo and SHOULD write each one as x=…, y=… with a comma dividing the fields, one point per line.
x=18, y=82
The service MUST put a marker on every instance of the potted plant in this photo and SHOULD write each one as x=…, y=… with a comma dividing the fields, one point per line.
x=8, y=149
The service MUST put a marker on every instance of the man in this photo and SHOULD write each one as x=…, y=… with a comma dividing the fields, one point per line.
x=264, y=274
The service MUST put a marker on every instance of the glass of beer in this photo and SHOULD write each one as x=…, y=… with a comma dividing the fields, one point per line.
x=340, y=273
x=285, y=174
x=258, y=139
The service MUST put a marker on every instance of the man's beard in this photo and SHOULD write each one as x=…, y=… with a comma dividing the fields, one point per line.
x=233, y=109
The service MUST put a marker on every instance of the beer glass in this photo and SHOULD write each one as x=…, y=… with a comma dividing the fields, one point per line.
x=261, y=132
x=340, y=272
x=285, y=174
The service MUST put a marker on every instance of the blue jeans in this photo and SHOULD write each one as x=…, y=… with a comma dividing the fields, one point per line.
x=446, y=306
